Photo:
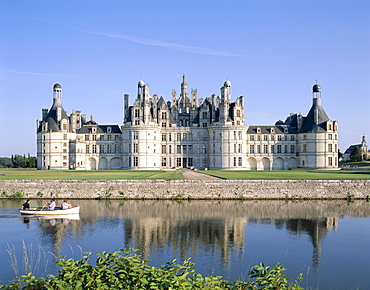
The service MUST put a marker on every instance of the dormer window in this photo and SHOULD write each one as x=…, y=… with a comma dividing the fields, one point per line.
x=285, y=130
x=109, y=130
x=258, y=130
x=272, y=130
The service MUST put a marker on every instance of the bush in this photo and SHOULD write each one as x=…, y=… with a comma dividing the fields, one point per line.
x=126, y=270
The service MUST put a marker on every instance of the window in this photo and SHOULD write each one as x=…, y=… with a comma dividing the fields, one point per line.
x=234, y=134
x=238, y=113
x=190, y=136
x=272, y=137
x=101, y=148
x=178, y=137
x=64, y=137
x=190, y=162
x=169, y=137
x=239, y=148
x=94, y=137
x=164, y=136
x=178, y=149
x=178, y=162
x=265, y=149
x=272, y=148
x=87, y=148
x=101, y=137
x=87, y=138
x=304, y=148
x=265, y=137
x=136, y=161
x=136, y=113
x=286, y=149
x=330, y=161
x=204, y=147
x=64, y=157
x=136, y=148
x=279, y=149
x=251, y=149
x=137, y=122
x=164, y=163
x=109, y=137
x=240, y=134
x=184, y=149
x=94, y=148
x=258, y=149
x=190, y=149
x=184, y=137
x=117, y=137
x=164, y=124
x=240, y=161
x=304, y=137
x=109, y=148
x=164, y=115
x=234, y=148
x=251, y=137
x=204, y=125
x=292, y=138
x=280, y=137
x=234, y=161
x=292, y=149
x=136, y=135
x=116, y=148
x=330, y=147
x=330, y=136
x=329, y=126
x=204, y=115
x=258, y=137
x=169, y=148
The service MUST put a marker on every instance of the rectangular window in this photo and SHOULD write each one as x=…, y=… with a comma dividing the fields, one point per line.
x=265, y=149
x=136, y=135
x=190, y=136
x=286, y=149
x=234, y=161
x=164, y=149
x=272, y=137
x=279, y=149
x=116, y=148
x=330, y=147
x=164, y=124
x=169, y=148
x=117, y=137
x=178, y=149
x=280, y=137
x=94, y=137
x=204, y=114
x=87, y=148
x=330, y=136
x=258, y=149
x=304, y=137
x=178, y=137
x=64, y=137
x=240, y=135
x=251, y=149
x=109, y=148
x=292, y=149
x=164, y=137
x=190, y=162
x=169, y=137
x=184, y=137
x=204, y=147
x=204, y=125
x=190, y=149
x=178, y=162
x=234, y=148
x=240, y=161
x=164, y=115
x=304, y=148
x=94, y=148
x=101, y=148
x=164, y=163
x=292, y=138
x=87, y=138
x=272, y=148
x=109, y=137
x=136, y=113
x=136, y=161
x=239, y=148
x=137, y=122
x=258, y=137
x=330, y=161
x=265, y=137
x=251, y=137
x=136, y=148
x=184, y=149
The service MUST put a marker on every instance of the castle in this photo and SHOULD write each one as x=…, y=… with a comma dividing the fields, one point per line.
x=186, y=132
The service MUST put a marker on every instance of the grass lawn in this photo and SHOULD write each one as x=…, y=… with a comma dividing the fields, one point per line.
x=290, y=174
x=93, y=174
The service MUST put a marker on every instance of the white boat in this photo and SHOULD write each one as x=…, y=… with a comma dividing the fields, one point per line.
x=45, y=211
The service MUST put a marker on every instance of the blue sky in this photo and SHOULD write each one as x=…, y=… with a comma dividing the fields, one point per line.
x=271, y=51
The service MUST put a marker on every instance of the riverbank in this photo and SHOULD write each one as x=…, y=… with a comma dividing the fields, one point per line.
x=187, y=189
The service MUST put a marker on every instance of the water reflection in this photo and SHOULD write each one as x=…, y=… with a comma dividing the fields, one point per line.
x=217, y=225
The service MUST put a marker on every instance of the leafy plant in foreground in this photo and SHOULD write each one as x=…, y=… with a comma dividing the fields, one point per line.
x=126, y=270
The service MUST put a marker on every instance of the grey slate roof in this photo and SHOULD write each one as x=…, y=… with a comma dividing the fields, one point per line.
x=100, y=129
x=310, y=125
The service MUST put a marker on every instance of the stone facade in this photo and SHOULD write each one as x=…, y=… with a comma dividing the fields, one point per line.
x=185, y=132
x=189, y=189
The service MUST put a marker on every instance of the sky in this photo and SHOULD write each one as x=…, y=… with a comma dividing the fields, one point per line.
x=272, y=52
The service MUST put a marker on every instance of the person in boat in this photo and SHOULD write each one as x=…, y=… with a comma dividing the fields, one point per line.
x=65, y=205
x=26, y=205
x=51, y=204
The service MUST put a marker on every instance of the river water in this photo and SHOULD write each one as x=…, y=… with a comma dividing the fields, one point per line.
x=327, y=241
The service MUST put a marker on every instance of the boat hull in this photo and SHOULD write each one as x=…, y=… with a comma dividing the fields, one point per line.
x=73, y=210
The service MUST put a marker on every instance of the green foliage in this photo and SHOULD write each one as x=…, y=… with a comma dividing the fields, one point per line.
x=18, y=194
x=18, y=161
x=126, y=270
x=356, y=154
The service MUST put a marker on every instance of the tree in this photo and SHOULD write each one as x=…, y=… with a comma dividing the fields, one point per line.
x=356, y=154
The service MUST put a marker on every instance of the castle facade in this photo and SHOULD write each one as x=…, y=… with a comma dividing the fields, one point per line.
x=186, y=132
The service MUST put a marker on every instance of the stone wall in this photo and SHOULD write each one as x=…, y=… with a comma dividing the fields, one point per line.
x=188, y=189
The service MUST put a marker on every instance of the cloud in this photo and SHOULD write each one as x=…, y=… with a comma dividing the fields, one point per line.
x=165, y=44
x=46, y=74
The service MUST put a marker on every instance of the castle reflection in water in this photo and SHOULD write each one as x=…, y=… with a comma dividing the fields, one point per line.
x=186, y=225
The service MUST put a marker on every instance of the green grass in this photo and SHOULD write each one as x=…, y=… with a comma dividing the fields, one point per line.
x=169, y=175
x=93, y=174
x=291, y=174
x=352, y=164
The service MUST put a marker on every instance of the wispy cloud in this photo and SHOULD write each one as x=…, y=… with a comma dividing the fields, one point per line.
x=46, y=74
x=165, y=44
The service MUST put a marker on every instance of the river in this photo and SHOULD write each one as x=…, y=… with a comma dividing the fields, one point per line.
x=327, y=241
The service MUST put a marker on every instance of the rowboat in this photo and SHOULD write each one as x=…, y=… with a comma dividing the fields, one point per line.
x=44, y=211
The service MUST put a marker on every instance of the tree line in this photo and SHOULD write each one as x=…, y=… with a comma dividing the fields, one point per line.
x=18, y=161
